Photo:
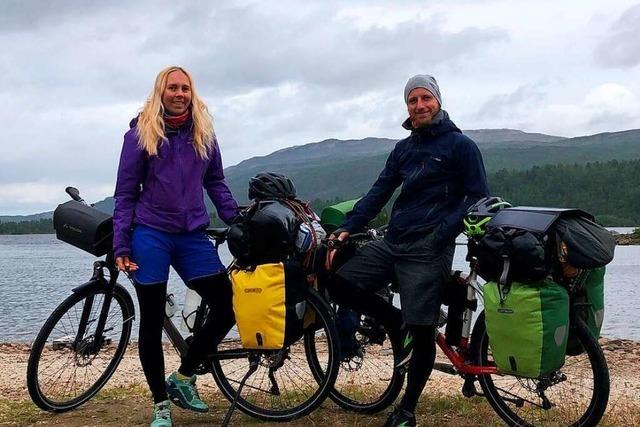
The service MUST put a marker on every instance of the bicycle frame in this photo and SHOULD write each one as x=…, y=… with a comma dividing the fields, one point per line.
x=460, y=357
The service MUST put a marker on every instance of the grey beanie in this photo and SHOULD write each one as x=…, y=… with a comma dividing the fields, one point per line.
x=425, y=81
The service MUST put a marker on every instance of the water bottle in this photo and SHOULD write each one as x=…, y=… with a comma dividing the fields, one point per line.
x=171, y=306
x=191, y=303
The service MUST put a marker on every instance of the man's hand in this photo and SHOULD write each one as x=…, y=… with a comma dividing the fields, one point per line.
x=341, y=237
x=124, y=263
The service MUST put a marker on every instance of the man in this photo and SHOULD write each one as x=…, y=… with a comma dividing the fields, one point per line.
x=442, y=174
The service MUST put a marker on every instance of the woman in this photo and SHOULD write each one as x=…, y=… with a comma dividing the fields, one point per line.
x=169, y=155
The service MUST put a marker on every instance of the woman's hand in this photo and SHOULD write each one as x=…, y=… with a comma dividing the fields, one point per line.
x=124, y=263
x=342, y=236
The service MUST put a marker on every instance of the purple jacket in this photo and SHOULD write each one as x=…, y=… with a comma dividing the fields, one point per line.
x=165, y=191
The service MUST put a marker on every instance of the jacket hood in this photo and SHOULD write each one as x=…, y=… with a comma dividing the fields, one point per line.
x=441, y=124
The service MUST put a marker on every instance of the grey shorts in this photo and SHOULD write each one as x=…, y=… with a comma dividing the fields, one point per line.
x=419, y=269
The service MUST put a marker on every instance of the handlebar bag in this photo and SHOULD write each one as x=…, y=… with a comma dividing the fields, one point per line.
x=84, y=227
x=269, y=304
x=528, y=326
x=590, y=296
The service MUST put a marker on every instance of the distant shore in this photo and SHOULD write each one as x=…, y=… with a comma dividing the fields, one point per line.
x=627, y=239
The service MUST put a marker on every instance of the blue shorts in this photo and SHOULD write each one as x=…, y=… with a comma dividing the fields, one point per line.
x=191, y=254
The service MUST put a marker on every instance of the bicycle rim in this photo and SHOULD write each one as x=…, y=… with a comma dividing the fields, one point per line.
x=577, y=393
x=367, y=381
x=291, y=391
x=61, y=376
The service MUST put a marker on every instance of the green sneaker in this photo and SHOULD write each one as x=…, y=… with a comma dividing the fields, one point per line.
x=162, y=414
x=400, y=418
x=184, y=393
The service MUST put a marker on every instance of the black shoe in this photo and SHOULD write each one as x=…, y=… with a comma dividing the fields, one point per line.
x=372, y=330
x=400, y=418
x=406, y=347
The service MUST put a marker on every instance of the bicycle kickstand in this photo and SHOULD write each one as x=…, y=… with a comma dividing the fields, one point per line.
x=253, y=366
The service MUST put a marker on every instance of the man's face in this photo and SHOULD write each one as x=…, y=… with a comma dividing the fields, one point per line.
x=176, y=97
x=422, y=107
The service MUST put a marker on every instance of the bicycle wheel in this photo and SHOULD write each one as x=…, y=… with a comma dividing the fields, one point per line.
x=575, y=395
x=284, y=387
x=62, y=375
x=367, y=381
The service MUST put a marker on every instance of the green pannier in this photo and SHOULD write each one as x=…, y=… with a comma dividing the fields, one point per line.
x=528, y=326
x=333, y=216
x=591, y=293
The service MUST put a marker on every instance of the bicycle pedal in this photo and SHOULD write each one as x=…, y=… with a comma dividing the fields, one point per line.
x=469, y=388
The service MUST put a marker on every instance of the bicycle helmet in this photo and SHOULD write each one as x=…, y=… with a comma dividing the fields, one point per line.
x=271, y=185
x=480, y=214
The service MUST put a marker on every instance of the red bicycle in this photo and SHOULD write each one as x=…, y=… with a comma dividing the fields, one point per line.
x=576, y=394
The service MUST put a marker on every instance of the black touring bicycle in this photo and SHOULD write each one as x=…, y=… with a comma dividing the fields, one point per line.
x=82, y=342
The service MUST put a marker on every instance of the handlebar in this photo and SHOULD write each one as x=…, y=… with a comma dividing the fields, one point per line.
x=75, y=194
x=371, y=234
x=218, y=234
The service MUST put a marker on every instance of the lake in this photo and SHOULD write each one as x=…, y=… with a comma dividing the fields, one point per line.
x=37, y=272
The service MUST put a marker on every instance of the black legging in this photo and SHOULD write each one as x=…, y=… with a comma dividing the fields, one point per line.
x=424, y=344
x=215, y=291
x=420, y=365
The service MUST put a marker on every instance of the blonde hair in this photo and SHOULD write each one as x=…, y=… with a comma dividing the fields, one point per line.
x=150, y=127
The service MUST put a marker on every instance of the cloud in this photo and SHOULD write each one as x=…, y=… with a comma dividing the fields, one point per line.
x=17, y=198
x=513, y=104
x=275, y=74
x=244, y=47
x=535, y=107
x=620, y=47
x=24, y=16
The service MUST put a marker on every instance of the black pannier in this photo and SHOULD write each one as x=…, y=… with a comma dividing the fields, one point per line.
x=263, y=234
x=84, y=227
x=523, y=244
x=583, y=243
x=515, y=244
x=525, y=251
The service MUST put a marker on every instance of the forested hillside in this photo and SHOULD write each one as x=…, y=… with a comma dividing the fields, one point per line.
x=609, y=190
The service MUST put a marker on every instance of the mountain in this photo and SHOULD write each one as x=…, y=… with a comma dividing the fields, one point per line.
x=333, y=168
x=340, y=169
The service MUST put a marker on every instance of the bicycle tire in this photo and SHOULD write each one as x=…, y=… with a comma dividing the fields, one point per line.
x=574, y=402
x=291, y=400
x=52, y=344
x=357, y=387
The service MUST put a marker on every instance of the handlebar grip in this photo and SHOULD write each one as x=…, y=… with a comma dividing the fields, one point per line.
x=75, y=194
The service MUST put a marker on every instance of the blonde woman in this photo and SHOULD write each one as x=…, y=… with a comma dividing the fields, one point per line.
x=170, y=154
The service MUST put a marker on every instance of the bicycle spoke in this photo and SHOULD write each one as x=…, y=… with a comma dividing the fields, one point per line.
x=68, y=365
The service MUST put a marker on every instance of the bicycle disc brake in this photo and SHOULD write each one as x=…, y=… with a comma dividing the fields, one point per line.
x=274, y=362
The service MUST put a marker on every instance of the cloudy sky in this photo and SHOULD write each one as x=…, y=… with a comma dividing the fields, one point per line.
x=280, y=73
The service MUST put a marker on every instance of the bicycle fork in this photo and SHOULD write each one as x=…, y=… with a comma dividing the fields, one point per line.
x=79, y=341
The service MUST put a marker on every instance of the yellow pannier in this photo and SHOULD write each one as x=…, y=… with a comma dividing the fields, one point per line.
x=268, y=303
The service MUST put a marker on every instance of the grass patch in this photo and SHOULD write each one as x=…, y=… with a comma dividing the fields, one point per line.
x=456, y=410
x=18, y=413
x=131, y=406
x=117, y=393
